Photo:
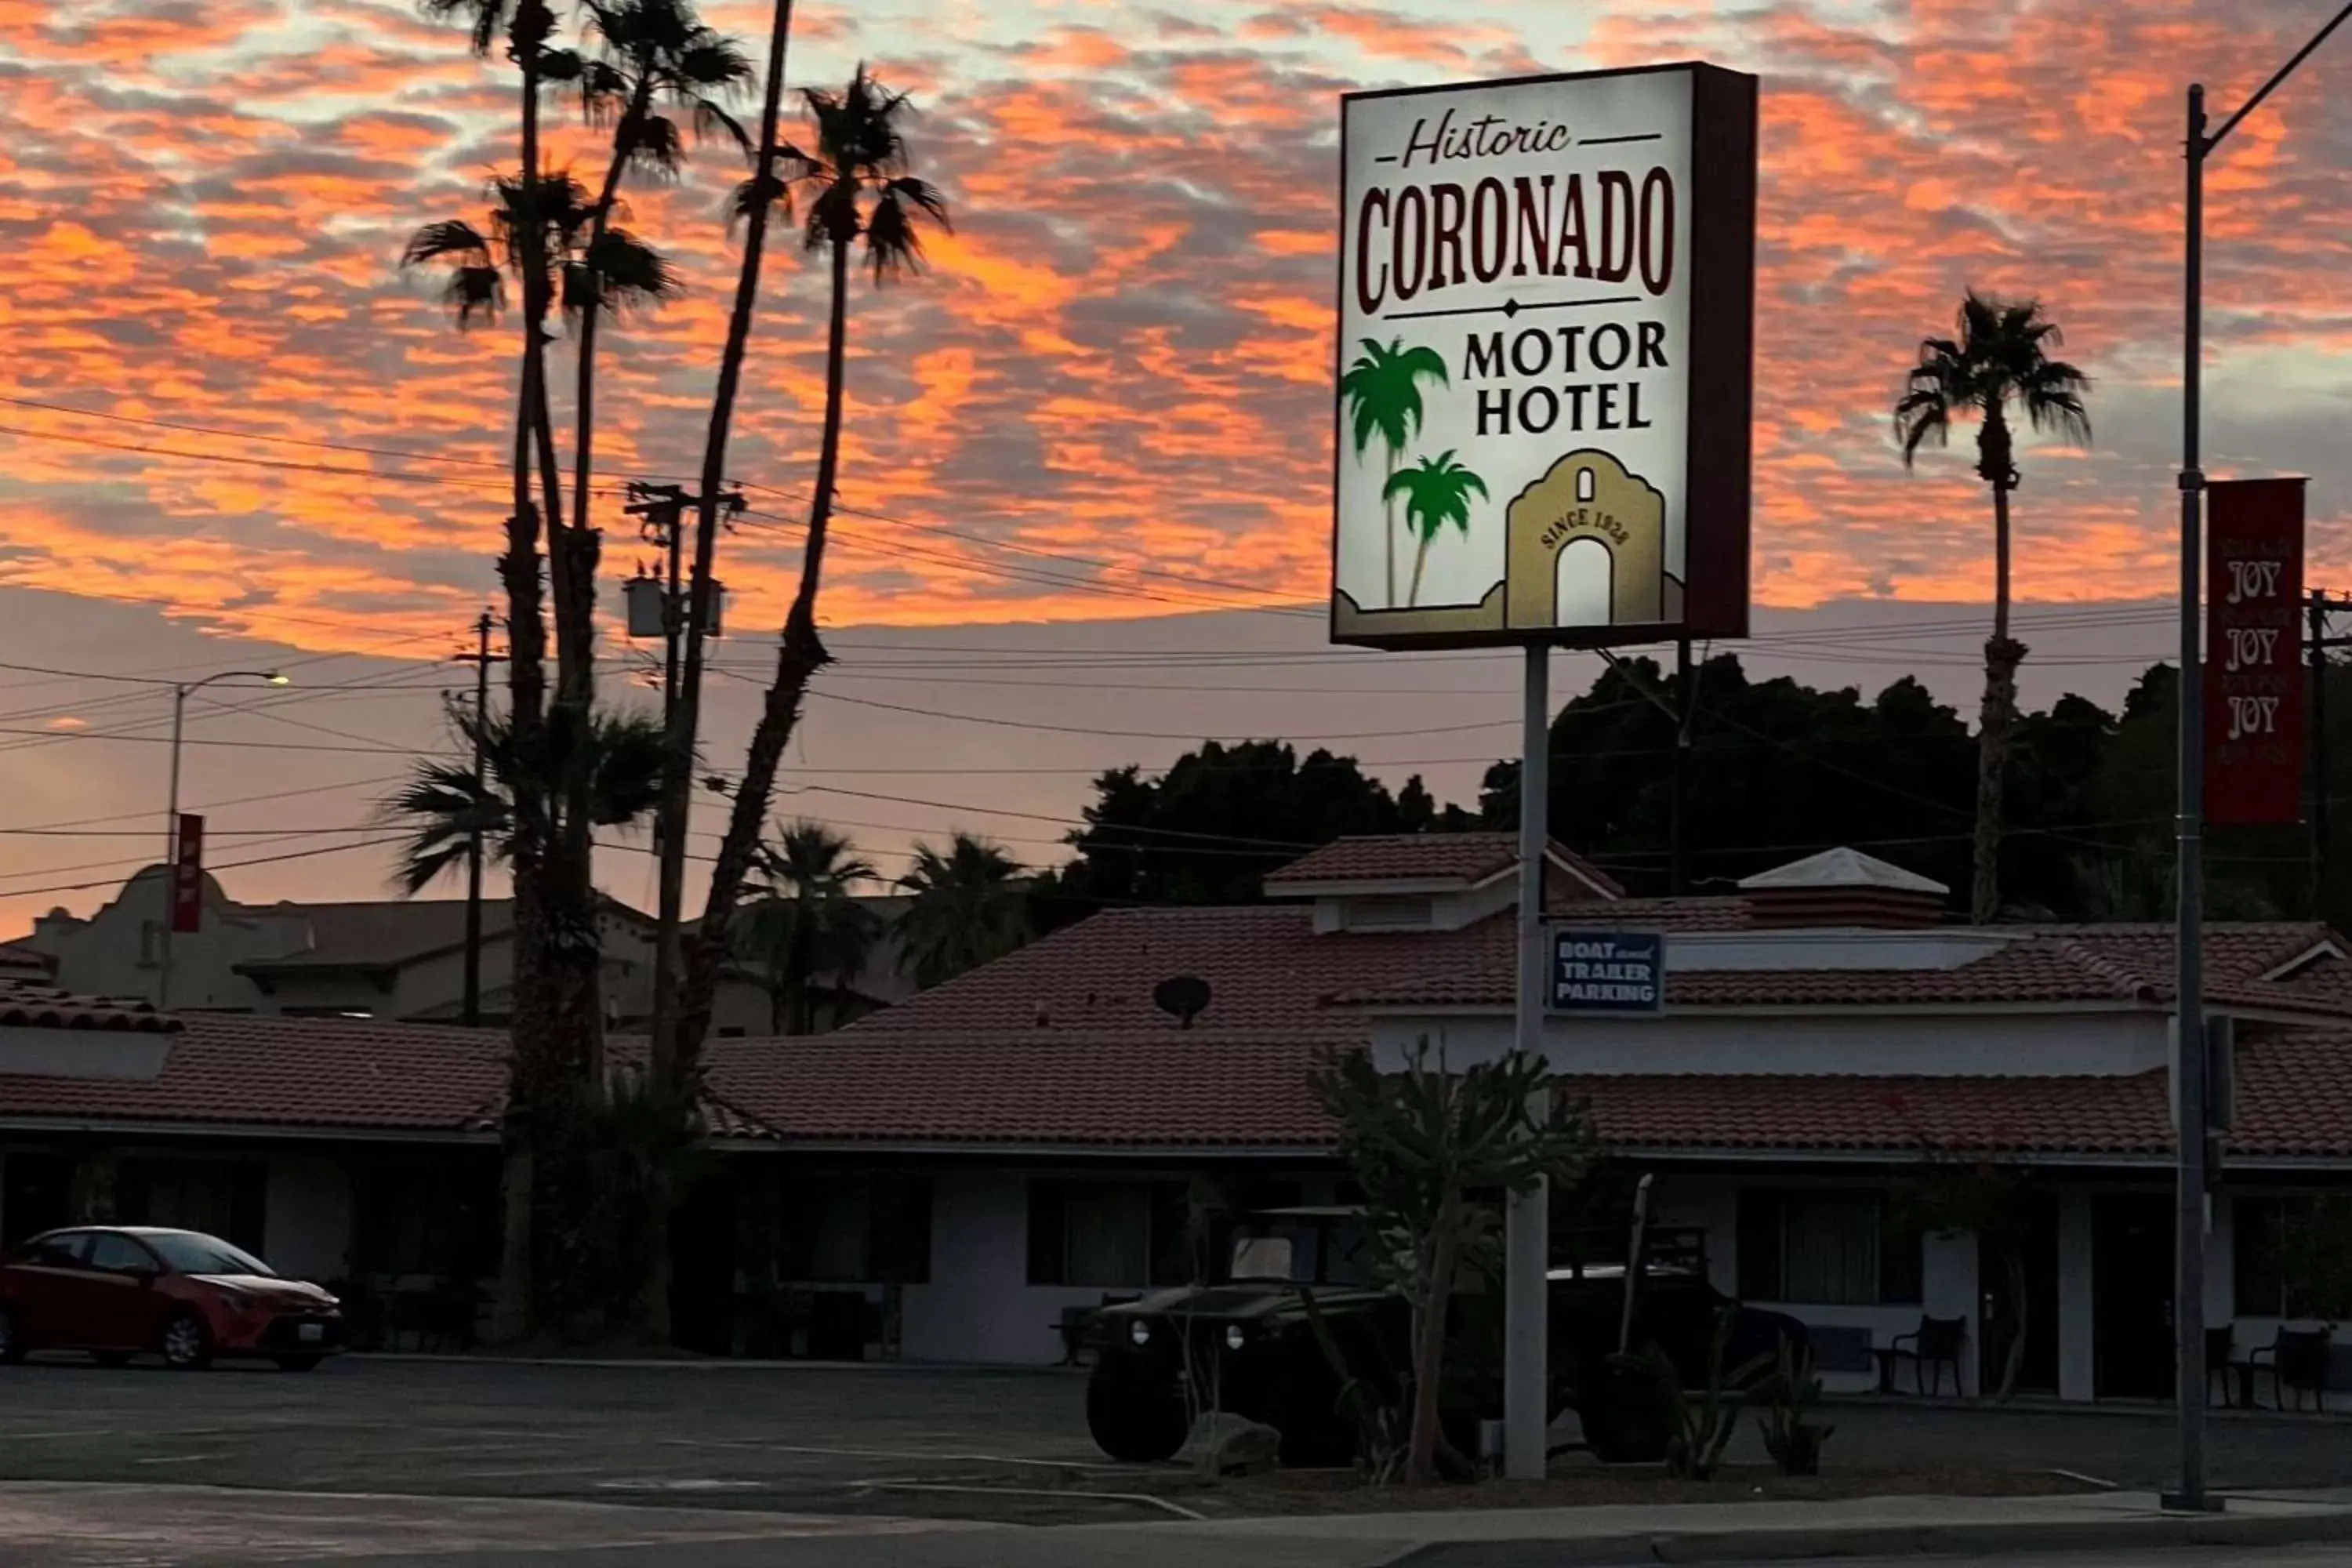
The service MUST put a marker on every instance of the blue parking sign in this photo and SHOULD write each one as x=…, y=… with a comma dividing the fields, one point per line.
x=1606, y=972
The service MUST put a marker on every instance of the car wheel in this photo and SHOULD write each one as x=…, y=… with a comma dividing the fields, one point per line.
x=1134, y=1421
x=187, y=1343
x=298, y=1362
x=111, y=1358
x=12, y=1343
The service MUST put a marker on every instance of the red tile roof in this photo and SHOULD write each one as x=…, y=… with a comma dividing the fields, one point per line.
x=309, y=1072
x=25, y=1004
x=1467, y=857
x=1836, y=1113
x=1060, y=1046
x=2051, y=963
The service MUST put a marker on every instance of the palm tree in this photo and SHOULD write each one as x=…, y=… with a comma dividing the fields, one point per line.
x=677, y=1028
x=807, y=926
x=539, y=1076
x=1383, y=392
x=857, y=187
x=528, y=25
x=616, y=767
x=1436, y=492
x=2002, y=356
x=654, y=53
x=969, y=906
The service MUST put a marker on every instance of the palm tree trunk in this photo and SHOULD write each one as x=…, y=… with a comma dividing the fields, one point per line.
x=574, y=564
x=1388, y=538
x=799, y=657
x=526, y=695
x=1996, y=723
x=671, y=1063
x=1420, y=559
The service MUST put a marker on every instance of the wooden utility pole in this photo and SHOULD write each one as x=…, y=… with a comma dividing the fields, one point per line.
x=663, y=508
x=1686, y=699
x=481, y=659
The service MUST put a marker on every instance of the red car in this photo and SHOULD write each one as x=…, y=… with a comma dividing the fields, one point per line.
x=118, y=1290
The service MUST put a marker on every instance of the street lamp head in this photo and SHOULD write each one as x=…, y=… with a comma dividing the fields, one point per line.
x=278, y=677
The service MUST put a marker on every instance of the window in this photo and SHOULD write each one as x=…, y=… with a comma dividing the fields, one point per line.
x=1111, y=1235
x=1391, y=914
x=227, y=1198
x=204, y=1255
x=857, y=1228
x=114, y=1253
x=1825, y=1247
x=66, y=1251
x=2292, y=1256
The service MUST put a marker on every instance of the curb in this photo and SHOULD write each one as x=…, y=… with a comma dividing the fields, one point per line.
x=1798, y=1544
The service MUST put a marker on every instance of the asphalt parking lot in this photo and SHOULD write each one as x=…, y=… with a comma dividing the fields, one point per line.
x=378, y=1458
x=819, y=1440
x=840, y=1439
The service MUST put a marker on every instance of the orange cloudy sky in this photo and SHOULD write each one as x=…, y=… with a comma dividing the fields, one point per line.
x=1122, y=354
x=1108, y=396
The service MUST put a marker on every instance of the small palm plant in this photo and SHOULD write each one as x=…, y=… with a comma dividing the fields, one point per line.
x=1437, y=491
x=614, y=765
x=969, y=906
x=1383, y=392
x=806, y=925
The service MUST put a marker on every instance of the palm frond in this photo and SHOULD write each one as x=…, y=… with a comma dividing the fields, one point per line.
x=475, y=291
x=483, y=18
x=440, y=241
x=894, y=247
x=656, y=147
x=709, y=120
x=754, y=193
x=712, y=63
x=633, y=274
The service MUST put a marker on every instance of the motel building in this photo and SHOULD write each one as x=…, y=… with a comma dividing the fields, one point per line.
x=941, y=1181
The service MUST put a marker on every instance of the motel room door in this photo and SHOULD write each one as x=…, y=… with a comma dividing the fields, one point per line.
x=2131, y=1296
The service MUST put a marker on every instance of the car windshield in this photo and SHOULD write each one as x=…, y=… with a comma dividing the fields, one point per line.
x=186, y=1253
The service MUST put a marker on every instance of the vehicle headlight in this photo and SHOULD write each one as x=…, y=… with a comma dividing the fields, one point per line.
x=1139, y=1333
x=1235, y=1336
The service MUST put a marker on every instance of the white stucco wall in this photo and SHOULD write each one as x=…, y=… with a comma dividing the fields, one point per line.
x=979, y=1305
x=1948, y=1275
x=307, y=1228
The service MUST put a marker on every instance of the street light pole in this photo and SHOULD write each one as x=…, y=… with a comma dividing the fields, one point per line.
x=172, y=817
x=2189, y=1049
x=2189, y=1019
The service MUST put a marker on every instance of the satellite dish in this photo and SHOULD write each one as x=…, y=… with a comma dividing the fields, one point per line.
x=1182, y=997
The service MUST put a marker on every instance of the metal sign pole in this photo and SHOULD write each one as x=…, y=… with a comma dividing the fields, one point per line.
x=1527, y=1220
x=2188, y=1017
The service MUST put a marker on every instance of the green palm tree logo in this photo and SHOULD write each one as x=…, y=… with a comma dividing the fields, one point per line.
x=1436, y=491
x=1383, y=392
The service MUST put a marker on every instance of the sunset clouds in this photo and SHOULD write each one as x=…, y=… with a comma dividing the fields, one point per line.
x=1123, y=352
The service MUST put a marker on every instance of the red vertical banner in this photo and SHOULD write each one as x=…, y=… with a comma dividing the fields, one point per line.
x=188, y=876
x=2254, y=651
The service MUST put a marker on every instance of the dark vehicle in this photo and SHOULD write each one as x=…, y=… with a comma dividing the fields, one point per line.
x=1246, y=1344
x=119, y=1291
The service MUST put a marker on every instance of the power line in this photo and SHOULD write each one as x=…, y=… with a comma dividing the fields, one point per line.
x=1147, y=734
x=224, y=865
